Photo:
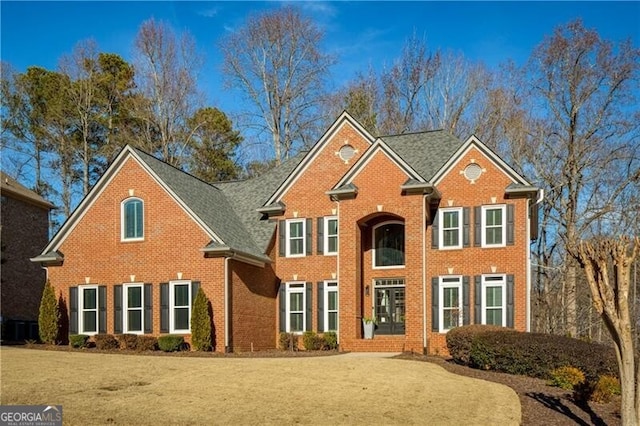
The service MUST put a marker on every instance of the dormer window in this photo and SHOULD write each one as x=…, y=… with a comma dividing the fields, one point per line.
x=132, y=219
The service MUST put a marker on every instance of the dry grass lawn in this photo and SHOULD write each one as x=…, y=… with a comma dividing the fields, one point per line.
x=342, y=389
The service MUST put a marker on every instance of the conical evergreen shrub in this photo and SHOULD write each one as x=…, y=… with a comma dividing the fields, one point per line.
x=201, y=323
x=49, y=317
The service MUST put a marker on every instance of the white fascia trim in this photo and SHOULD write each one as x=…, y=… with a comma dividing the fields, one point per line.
x=344, y=118
x=484, y=150
x=362, y=162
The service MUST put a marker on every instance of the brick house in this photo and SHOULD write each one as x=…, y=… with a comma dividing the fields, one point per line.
x=422, y=232
x=24, y=218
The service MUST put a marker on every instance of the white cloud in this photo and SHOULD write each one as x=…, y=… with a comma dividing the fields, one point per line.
x=208, y=13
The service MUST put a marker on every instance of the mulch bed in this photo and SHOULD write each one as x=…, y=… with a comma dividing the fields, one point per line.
x=542, y=404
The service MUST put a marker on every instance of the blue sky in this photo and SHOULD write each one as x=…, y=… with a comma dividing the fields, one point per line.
x=359, y=33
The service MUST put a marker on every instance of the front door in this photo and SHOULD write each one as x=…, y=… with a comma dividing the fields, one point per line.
x=389, y=308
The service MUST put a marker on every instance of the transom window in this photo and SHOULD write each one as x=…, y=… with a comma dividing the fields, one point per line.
x=331, y=302
x=451, y=303
x=450, y=228
x=331, y=235
x=296, y=304
x=88, y=309
x=132, y=219
x=133, y=305
x=388, y=240
x=180, y=307
x=296, y=237
x=493, y=225
x=494, y=310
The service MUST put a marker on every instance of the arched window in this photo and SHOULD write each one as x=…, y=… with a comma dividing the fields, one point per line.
x=388, y=245
x=132, y=219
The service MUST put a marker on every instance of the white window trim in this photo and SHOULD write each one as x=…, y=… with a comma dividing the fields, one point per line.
x=81, y=309
x=503, y=285
x=296, y=287
x=441, y=229
x=172, y=285
x=122, y=221
x=503, y=207
x=330, y=286
x=327, y=235
x=125, y=307
x=304, y=237
x=373, y=245
x=442, y=285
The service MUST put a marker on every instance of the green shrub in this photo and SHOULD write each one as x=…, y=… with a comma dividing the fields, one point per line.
x=127, y=341
x=604, y=389
x=49, y=316
x=312, y=342
x=288, y=341
x=331, y=340
x=530, y=354
x=106, y=342
x=171, y=343
x=146, y=343
x=78, y=340
x=201, y=323
x=566, y=377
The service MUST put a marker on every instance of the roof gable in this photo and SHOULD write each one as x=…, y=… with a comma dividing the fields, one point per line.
x=344, y=119
x=474, y=142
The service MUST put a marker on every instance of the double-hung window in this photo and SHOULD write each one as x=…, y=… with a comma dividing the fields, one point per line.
x=295, y=236
x=295, y=307
x=88, y=303
x=331, y=235
x=132, y=219
x=493, y=226
x=331, y=303
x=494, y=310
x=450, y=313
x=450, y=228
x=180, y=307
x=134, y=308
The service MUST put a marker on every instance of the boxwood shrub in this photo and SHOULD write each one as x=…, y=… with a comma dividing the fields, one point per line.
x=171, y=343
x=78, y=340
x=288, y=341
x=127, y=341
x=331, y=340
x=530, y=354
x=146, y=343
x=106, y=342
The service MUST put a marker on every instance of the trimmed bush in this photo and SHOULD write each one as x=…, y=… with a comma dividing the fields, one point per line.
x=146, y=343
x=201, y=323
x=331, y=340
x=171, y=343
x=604, y=389
x=128, y=341
x=566, y=377
x=49, y=316
x=78, y=340
x=106, y=342
x=312, y=342
x=530, y=354
x=288, y=341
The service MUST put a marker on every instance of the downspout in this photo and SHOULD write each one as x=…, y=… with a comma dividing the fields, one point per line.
x=227, y=314
x=424, y=273
x=539, y=199
x=338, y=266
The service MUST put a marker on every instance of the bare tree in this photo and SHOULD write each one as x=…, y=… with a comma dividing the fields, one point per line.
x=611, y=299
x=166, y=68
x=276, y=61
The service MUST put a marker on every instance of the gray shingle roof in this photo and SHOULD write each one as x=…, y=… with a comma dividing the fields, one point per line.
x=426, y=152
x=207, y=202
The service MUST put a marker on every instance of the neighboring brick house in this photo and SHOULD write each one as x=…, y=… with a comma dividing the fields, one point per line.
x=421, y=231
x=24, y=231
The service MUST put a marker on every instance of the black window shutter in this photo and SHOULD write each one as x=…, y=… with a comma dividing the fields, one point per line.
x=477, y=226
x=102, y=304
x=510, y=224
x=73, y=310
x=309, y=319
x=434, y=231
x=465, y=227
x=283, y=307
x=320, y=306
x=320, y=235
x=164, y=307
x=435, y=326
x=466, y=303
x=148, y=308
x=477, y=293
x=117, y=309
x=309, y=242
x=510, y=301
x=282, y=238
